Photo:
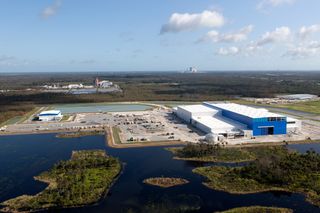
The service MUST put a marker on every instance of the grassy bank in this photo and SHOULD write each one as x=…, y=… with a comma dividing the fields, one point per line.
x=83, y=180
x=290, y=171
x=165, y=182
x=306, y=106
x=258, y=209
x=8, y=112
x=79, y=134
x=116, y=135
x=209, y=153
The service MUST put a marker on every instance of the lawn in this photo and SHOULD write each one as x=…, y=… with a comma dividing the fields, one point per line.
x=309, y=106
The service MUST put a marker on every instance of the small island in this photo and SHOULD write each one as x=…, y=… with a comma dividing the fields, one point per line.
x=258, y=209
x=286, y=171
x=82, y=180
x=165, y=182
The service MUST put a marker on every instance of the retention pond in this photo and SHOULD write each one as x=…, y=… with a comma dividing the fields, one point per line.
x=83, y=108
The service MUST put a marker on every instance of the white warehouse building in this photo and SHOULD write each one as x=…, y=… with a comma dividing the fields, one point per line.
x=230, y=119
x=209, y=120
x=51, y=115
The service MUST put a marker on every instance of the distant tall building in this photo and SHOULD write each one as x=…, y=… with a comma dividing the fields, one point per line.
x=96, y=82
x=191, y=70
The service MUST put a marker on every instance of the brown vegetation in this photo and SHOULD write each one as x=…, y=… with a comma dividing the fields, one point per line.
x=165, y=182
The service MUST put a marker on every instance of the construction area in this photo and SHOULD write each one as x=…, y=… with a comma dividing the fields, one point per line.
x=217, y=123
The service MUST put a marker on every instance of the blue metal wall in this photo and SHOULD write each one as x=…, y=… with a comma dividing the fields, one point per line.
x=257, y=125
x=260, y=125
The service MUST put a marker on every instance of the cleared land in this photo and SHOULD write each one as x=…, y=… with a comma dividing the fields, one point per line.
x=258, y=209
x=290, y=171
x=165, y=182
x=109, y=136
x=80, y=181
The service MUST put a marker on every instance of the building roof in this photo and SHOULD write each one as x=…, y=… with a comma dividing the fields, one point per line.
x=298, y=96
x=50, y=113
x=197, y=108
x=250, y=112
x=219, y=124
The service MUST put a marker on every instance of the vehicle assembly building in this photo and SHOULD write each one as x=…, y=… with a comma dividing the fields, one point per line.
x=52, y=115
x=237, y=120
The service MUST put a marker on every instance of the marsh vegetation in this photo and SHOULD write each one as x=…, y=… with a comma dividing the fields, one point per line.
x=212, y=153
x=287, y=171
x=79, y=134
x=258, y=209
x=80, y=181
x=165, y=182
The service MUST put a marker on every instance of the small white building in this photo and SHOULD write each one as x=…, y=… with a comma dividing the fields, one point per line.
x=51, y=115
x=105, y=84
x=299, y=97
x=75, y=86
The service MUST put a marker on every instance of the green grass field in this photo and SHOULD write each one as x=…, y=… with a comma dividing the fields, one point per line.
x=309, y=106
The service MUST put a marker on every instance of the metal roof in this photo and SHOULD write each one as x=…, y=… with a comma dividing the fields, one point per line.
x=247, y=111
x=197, y=108
x=220, y=124
x=50, y=112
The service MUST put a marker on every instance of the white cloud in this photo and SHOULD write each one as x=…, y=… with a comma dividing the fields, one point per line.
x=281, y=34
x=273, y=3
x=304, y=50
x=229, y=51
x=305, y=32
x=215, y=36
x=185, y=22
x=7, y=60
x=10, y=61
x=52, y=9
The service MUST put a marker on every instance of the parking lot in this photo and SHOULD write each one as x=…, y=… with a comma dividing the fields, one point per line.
x=155, y=125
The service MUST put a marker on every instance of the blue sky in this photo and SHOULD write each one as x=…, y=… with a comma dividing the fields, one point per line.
x=144, y=35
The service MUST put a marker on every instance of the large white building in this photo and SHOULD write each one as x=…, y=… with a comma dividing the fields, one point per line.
x=51, y=115
x=230, y=119
x=209, y=120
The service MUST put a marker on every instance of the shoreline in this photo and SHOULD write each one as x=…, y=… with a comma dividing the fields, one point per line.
x=160, y=143
x=209, y=161
x=51, y=184
x=109, y=140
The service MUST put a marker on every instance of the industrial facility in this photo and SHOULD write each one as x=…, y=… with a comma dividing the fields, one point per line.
x=232, y=120
x=300, y=97
x=103, y=84
x=52, y=115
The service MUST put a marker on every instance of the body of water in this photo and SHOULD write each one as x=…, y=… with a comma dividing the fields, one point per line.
x=82, y=108
x=25, y=156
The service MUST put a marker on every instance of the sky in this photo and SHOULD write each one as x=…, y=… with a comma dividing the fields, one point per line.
x=166, y=35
